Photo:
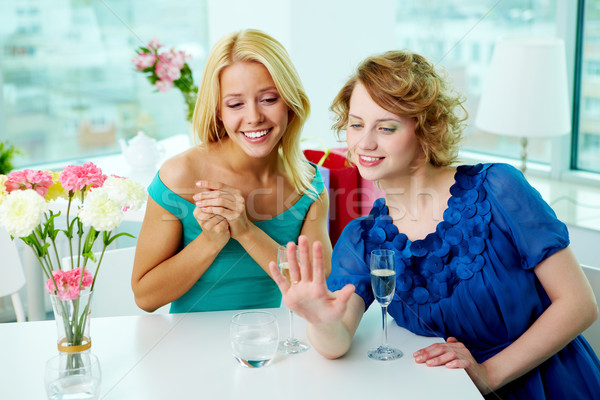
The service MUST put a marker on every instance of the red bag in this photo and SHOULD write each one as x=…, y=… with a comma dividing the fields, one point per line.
x=344, y=190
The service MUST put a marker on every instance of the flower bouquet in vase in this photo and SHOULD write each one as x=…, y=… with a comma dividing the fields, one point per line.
x=167, y=69
x=95, y=206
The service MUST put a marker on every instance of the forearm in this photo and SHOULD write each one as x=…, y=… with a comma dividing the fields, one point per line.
x=330, y=340
x=333, y=338
x=173, y=277
x=552, y=331
x=259, y=246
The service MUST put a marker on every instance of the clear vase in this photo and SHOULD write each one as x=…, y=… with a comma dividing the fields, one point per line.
x=75, y=372
x=73, y=322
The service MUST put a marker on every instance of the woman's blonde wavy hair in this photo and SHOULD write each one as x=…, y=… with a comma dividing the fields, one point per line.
x=252, y=45
x=406, y=84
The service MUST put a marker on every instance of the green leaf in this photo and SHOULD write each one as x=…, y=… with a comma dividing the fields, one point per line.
x=89, y=240
x=69, y=231
x=52, y=231
x=108, y=241
x=90, y=255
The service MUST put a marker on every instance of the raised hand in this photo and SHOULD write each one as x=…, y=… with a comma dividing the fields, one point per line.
x=454, y=354
x=307, y=294
x=225, y=201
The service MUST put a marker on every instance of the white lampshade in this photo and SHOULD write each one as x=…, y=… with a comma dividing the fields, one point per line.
x=525, y=93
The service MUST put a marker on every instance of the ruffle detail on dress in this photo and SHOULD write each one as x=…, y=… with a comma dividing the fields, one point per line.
x=429, y=269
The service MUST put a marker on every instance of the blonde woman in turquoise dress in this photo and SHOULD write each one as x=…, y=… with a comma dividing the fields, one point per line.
x=482, y=260
x=218, y=211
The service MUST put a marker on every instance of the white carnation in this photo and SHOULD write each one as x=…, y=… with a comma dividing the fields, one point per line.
x=22, y=211
x=100, y=212
x=126, y=192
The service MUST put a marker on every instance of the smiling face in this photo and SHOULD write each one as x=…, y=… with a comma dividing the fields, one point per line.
x=251, y=109
x=383, y=145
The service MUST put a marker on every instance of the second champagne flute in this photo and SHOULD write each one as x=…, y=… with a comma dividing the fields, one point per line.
x=291, y=345
x=383, y=281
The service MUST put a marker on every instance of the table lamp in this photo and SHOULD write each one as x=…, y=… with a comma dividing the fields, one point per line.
x=525, y=93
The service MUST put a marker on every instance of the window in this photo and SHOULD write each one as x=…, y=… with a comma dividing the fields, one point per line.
x=67, y=87
x=442, y=29
x=587, y=142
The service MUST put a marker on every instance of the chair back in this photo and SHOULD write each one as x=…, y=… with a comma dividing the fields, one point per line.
x=12, y=278
x=592, y=334
x=113, y=295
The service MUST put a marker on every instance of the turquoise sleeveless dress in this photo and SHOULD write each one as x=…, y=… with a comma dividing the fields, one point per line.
x=234, y=280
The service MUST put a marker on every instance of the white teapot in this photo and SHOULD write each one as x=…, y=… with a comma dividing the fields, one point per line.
x=142, y=153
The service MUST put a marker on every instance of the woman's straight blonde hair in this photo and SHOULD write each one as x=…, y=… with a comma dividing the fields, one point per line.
x=252, y=45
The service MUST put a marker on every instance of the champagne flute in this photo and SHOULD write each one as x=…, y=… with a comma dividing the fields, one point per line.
x=383, y=281
x=291, y=345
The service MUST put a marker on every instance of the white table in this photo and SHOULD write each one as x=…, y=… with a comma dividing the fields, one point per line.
x=185, y=356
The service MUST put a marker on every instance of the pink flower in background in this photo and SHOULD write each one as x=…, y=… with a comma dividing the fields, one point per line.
x=68, y=283
x=143, y=61
x=154, y=44
x=167, y=71
x=164, y=86
x=40, y=181
x=173, y=58
x=75, y=177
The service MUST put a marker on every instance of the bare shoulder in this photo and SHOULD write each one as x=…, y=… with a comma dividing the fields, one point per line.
x=183, y=169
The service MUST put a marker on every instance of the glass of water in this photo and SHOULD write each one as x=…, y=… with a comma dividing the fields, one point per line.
x=254, y=337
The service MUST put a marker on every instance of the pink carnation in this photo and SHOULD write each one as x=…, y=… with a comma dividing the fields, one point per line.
x=143, y=61
x=40, y=181
x=68, y=283
x=164, y=86
x=74, y=177
x=175, y=59
x=154, y=44
x=167, y=71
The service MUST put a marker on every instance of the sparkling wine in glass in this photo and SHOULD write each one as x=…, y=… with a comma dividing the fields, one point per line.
x=383, y=281
x=291, y=345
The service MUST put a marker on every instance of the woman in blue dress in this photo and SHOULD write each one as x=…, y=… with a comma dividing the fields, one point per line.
x=218, y=211
x=482, y=260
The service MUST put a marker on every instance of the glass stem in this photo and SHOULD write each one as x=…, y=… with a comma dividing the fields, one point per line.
x=291, y=325
x=384, y=315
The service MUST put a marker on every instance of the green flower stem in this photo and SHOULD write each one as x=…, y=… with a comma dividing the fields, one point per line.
x=53, y=241
x=44, y=252
x=98, y=265
x=90, y=239
x=69, y=226
x=80, y=234
x=44, y=268
x=74, y=325
x=83, y=318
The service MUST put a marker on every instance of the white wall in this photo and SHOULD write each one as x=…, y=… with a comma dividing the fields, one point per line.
x=326, y=41
x=586, y=245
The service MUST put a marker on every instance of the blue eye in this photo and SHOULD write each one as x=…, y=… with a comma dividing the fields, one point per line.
x=388, y=130
x=355, y=126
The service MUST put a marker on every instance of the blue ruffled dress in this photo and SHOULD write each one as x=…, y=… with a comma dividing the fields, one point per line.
x=473, y=277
